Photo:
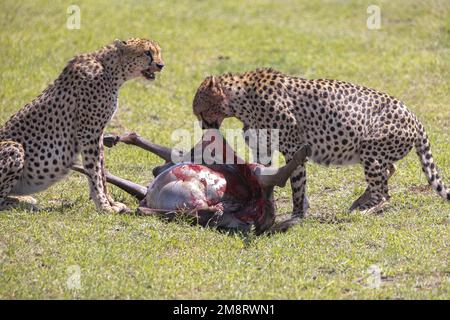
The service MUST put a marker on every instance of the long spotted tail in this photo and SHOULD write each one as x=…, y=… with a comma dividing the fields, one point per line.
x=423, y=150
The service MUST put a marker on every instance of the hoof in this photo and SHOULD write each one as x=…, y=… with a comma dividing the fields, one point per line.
x=110, y=140
x=284, y=225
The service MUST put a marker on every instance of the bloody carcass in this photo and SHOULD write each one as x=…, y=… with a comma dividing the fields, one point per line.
x=215, y=188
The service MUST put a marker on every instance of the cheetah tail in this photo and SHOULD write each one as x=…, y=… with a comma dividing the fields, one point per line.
x=423, y=150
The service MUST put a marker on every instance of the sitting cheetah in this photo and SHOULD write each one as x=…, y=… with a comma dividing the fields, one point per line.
x=39, y=144
x=342, y=122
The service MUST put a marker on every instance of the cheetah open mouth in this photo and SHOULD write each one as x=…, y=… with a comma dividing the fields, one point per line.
x=148, y=74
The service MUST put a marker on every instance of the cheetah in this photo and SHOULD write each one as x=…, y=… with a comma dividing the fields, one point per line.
x=343, y=123
x=40, y=143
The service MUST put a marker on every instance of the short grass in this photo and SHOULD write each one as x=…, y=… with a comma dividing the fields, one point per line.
x=330, y=254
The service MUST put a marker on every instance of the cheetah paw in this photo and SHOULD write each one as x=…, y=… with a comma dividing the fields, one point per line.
x=376, y=209
x=119, y=207
x=116, y=207
x=22, y=202
x=27, y=199
x=360, y=202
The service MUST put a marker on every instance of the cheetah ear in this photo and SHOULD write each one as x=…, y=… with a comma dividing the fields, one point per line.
x=120, y=44
x=214, y=84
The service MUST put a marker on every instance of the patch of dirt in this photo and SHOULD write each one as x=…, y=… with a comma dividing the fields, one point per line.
x=420, y=189
x=319, y=217
x=330, y=219
x=365, y=281
x=58, y=204
x=154, y=117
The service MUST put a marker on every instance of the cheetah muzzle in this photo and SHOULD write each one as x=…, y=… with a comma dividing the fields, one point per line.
x=148, y=74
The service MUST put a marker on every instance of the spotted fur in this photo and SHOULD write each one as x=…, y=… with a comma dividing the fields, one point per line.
x=342, y=122
x=39, y=144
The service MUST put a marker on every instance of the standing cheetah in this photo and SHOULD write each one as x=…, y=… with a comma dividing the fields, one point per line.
x=342, y=122
x=39, y=144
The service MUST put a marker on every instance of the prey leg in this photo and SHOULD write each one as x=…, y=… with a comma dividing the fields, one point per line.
x=136, y=140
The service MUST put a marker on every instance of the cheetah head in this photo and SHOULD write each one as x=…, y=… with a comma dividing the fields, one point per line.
x=140, y=57
x=211, y=103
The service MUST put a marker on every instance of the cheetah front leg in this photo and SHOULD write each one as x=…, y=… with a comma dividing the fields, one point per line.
x=117, y=206
x=299, y=199
x=12, y=161
x=92, y=154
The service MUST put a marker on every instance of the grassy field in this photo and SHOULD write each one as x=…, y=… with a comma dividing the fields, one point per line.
x=331, y=254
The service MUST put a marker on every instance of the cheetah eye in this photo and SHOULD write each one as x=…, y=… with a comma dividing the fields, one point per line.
x=149, y=54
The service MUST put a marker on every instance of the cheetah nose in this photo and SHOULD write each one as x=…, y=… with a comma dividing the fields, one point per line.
x=159, y=66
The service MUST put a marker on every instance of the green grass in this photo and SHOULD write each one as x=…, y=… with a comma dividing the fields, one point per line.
x=328, y=255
